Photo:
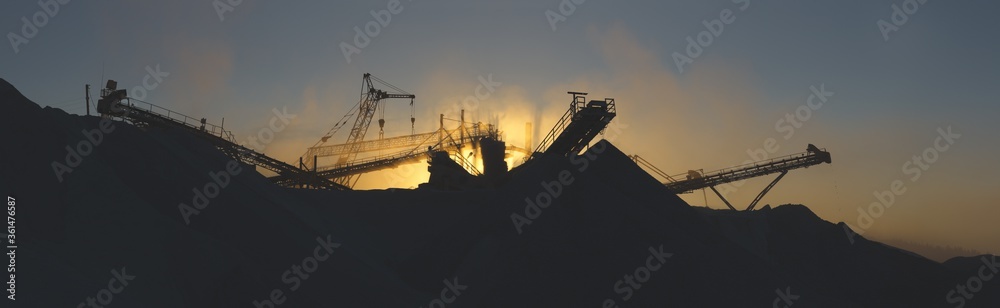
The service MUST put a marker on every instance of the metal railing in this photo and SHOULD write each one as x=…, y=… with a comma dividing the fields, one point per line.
x=181, y=118
x=224, y=140
x=746, y=171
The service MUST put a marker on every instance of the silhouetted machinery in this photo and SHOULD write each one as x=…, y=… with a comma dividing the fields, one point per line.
x=347, y=169
x=371, y=99
x=111, y=97
x=115, y=103
x=577, y=127
x=572, y=133
x=694, y=179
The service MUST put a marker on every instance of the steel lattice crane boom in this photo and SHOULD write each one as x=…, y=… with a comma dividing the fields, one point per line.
x=371, y=97
x=369, y=103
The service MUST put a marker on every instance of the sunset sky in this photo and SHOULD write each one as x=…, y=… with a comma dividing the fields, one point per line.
x=888, y=96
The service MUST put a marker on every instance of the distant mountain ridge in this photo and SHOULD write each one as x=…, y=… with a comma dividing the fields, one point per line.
x=934, y=252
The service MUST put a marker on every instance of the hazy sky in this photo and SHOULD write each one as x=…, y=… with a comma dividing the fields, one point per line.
x=887, y=96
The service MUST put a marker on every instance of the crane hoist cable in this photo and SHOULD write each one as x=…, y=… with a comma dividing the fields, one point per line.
x=381, y=120
x=370, y=103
